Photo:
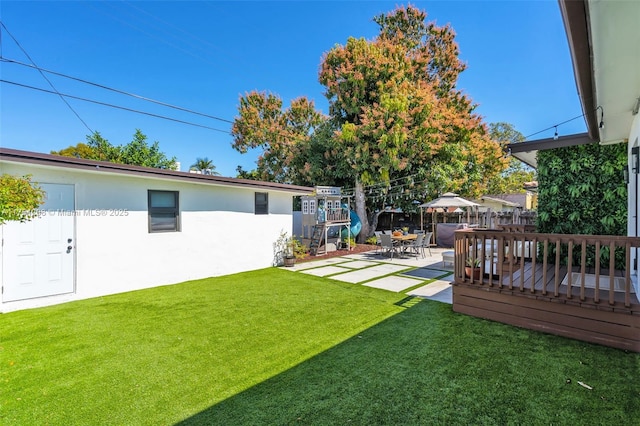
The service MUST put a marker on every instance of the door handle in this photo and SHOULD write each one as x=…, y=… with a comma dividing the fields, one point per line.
x=69, y=248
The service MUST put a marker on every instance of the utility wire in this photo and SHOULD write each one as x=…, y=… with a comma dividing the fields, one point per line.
x=169, y=24
x=122, y=92
x=114, y=106
x=45, y=77
x=555, y=125
x=150, y=35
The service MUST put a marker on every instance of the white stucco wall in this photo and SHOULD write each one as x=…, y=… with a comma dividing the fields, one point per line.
x=220, y=234
x=633, y=190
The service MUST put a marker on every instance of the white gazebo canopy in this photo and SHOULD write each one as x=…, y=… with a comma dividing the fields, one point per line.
x=446, y=200
x=449, y=199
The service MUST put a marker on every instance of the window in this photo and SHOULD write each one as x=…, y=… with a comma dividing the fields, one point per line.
x=305, y=207
x=164, y=212
x=262, y=203
x=312, y=206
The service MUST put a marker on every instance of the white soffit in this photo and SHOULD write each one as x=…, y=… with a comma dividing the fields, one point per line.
x=615, y=37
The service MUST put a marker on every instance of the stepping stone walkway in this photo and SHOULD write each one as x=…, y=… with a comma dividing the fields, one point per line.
x=383, y=273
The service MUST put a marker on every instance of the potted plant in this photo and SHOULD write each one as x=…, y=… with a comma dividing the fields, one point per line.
x=472, y=268
x=294, y=250
x=289, y=257
x=287, y=249
x=283, y=250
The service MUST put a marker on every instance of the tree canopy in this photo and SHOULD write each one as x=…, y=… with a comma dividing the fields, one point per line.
x=282, y=134
x=512, y=179
x=204, y=165
x=397, y=125
x=137, y=152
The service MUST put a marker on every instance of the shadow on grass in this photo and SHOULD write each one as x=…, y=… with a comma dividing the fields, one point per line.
x=429, y=365
x=409, y=301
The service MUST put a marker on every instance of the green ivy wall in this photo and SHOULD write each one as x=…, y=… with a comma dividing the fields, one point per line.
x=582, y=191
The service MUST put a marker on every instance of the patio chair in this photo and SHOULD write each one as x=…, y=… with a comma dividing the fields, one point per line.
x=386, y=245
x=378, y=243
x=426, y=243
x=417, y=246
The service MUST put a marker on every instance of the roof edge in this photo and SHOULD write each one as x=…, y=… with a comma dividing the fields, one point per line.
x=575, y=16
x=526, y=151
x=550, y=143
x=28, y=157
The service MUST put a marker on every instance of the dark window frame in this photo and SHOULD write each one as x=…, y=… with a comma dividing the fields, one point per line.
x=260, y=206
x=175, y=211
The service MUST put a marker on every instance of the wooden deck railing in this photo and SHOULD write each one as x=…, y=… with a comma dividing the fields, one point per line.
x=584, y=267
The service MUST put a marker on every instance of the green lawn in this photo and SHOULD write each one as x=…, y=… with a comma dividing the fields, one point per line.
x=279, y=347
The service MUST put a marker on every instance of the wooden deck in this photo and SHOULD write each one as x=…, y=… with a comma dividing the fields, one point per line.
x=588, y=304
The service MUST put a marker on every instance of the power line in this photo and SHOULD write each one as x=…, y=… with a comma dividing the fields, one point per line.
x=122, y=92
x=387, y=184
x=148, y=34
x=555, y=126
x=201, y=40
x=114, y=106
x=45, y=77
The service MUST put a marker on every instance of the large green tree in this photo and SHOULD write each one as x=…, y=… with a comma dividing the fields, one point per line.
x=512, y=179
x=82, y=150
x=137, y=152
x=282, y=134
x=400, y=113
x=398, y=129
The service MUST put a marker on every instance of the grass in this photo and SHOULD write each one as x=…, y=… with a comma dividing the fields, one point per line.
x=278, y=347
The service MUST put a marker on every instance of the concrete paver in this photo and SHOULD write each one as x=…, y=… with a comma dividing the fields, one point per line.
x=425, y=273
x=360, y=275
x=358, y=264
x=397, y=274
x=325, y=270
x=438, y=288
x=393, y=283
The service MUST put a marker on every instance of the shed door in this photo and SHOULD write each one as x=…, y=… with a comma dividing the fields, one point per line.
x=38, y=257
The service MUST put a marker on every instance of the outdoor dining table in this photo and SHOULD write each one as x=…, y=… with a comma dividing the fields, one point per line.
x=404, y=240
x=404, y=237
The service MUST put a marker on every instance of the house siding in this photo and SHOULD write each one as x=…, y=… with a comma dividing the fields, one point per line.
x=219, y=232
x=633, y=200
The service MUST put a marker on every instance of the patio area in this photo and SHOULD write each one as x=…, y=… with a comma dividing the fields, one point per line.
x=415, y=276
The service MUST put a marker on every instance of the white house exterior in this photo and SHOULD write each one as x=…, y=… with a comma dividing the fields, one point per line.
x=498, y=204
x=108, y=228
x=604, y=42
x=605, y=48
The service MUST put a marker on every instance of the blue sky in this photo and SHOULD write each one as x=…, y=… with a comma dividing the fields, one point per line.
x=203, y=55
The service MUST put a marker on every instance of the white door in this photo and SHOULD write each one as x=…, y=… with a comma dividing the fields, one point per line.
x=38, y=257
